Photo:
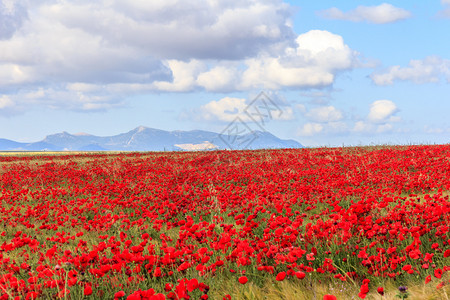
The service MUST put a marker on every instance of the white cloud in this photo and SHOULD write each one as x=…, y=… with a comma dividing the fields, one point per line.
x=361, y=126
x=220, y=79
x=318, y=57
x=322, y=120
x=369, y=128
x=228, y=108
x=430, y=69
x=316, y=60
x=225, y=109
x=382, y=111
x=5, y=102
x=82, y=99
x=180, y=29
x=86, y=54
x=330, y=121
x=381, y=14
x=380, y=119
x=60, y=54
x=184, y=76
x=270, y=73
x=82, y=87
x=8, y=106
x=288, y=114
x=14, y=74
x=118, y=46
x=324, y=114
x=310, y=129
x=325, y=49
x=12, y=16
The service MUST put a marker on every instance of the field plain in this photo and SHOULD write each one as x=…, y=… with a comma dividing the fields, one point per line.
x=327, y=223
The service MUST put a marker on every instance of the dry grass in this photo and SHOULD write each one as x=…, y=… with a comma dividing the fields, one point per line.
x=295, y=289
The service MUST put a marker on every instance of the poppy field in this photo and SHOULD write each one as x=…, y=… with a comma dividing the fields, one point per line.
x=326, y=223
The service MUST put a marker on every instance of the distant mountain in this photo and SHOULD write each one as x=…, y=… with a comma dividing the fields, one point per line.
x=8, y=144
x=149, y=139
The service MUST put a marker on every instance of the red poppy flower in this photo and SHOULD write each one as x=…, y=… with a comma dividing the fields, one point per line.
x=438, y=273
x=87, y=290
x=364, y=289
x=300, y=274
x=119, y=294
x=243, y=279
x=447, y=253
x=281, y=276
x=380, y=290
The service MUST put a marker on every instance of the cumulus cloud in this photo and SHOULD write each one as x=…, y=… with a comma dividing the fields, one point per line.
x=5, y=102
x=325, y=114
x=77, y=97
x=179, y=29
x=321, y=120
x=329, y=120
x=381, y=117
x=94, y=52
x=314, y=62
x=381, y=14
x=14, y=74
x=61, y=54
x=184, y=76
x=228, y=108
x=381, y=111
x=361, y=126
x=8, y=106
x=218, y=79
x=430, y=69
x=225, y=109
x=133, y=46
x=310, y=129
x=12, y=16
x=211, y=29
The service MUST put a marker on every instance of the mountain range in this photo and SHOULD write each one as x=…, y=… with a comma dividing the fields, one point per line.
x=150, y=139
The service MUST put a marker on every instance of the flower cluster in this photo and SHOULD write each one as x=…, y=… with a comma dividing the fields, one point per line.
x=111, y=226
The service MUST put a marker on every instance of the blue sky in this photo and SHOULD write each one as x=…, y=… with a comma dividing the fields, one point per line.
x=342, y=72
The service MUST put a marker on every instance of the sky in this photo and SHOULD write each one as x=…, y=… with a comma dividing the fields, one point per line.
x=338, y=72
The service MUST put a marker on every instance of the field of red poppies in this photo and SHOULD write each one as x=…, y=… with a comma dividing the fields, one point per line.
x=328, y=223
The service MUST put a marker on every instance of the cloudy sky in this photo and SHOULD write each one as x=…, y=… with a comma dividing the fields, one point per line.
x=341, y=73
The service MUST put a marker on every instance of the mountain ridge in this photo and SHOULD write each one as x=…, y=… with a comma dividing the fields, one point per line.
x=144, y=138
